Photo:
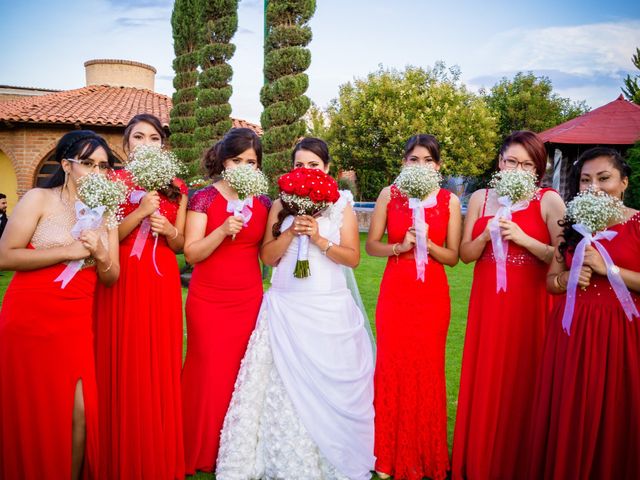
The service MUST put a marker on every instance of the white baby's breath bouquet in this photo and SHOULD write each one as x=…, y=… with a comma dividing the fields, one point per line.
x=417, y=181
x=595, y=210
x=246, y=181
x=153, y=168
x=518, y=185
x=96, y=190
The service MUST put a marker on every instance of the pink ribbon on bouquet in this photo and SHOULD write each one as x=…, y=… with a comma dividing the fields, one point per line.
x=421, y=253
x=241, y=208
x=87, y=219
x=143, y=232
x=613, y=274
x=500, y=245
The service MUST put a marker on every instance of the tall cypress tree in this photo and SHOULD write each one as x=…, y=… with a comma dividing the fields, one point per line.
x=219, y=22
x=632, y=92
x=185, y=65
x=285, y=61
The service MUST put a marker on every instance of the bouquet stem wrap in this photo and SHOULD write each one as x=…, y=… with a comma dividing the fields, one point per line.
x=421, y=253
x=302, y=264
x=241, y=208
x=143, y=233
x=613, y=274
x=87, y=219
x=499, y=244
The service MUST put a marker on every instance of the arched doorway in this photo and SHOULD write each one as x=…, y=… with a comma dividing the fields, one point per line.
x=8, y=180
x=48, y=167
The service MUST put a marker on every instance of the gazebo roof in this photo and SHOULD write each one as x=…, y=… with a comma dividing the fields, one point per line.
x=616, y=123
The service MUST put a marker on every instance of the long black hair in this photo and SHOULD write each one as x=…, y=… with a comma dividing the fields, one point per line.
x=79, y=144
x=569, y=235
x=235, y=141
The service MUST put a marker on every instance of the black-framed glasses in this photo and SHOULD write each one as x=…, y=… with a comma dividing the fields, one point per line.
x=89, y=165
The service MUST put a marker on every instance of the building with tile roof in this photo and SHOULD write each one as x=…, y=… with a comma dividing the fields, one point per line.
x=33, y=120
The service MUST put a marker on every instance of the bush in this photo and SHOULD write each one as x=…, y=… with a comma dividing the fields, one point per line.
x=632, y=194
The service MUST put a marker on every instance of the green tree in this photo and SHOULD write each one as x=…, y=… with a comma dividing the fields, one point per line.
x=527, y=102
x=282, y=96
x=218, y=25
x=185, y=65
x=632, y=92
x=372, y=118
x=632, y=194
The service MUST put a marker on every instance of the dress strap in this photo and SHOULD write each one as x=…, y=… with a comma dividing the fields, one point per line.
x=484, y=204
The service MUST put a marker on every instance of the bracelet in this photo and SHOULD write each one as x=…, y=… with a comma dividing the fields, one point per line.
x=176, y=235
x=108, y=268
x=556, y=281
x=393, y=249
x=329, y=245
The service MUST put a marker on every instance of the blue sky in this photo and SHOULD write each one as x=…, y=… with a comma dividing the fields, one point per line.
x=584, y=47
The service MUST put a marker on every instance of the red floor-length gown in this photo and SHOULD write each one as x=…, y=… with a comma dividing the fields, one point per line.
x=502, y=351
x=225, y=294
x=586, y=416
x=412, y=320
x=138, y=360
x=46, y=348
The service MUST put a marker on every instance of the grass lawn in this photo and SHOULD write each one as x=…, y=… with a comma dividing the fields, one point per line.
x=368, y=275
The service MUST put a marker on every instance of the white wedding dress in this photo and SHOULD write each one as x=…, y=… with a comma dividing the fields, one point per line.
x=302, y=407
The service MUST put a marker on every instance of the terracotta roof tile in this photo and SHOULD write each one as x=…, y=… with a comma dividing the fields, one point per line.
x=94, y=105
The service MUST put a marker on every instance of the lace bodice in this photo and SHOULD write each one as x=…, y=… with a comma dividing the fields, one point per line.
x=326, y=275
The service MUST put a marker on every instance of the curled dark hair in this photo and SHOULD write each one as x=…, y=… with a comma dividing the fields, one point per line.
x=79, y=144
x=534, y=146
x=423, y=140
x=235, y=141
x=172, y=192
x=146, y=118
x=571, y=238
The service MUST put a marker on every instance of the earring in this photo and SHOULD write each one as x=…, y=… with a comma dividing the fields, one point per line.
x=66, y=180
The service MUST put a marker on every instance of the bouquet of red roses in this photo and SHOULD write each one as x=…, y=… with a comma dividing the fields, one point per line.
x=306, y=191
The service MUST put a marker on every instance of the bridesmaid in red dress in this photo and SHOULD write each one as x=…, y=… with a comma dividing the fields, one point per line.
x=586, y=415
x=225, y=294
x=412, y=319
x=48, y=398
x=139, y=335
x=505, y=330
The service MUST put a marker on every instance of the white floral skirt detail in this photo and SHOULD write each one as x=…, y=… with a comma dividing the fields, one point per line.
x=262, y=436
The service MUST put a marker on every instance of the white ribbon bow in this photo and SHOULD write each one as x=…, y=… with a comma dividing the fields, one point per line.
x=241, y=208
x=499, y=244
x=613, y=274
x=421, y=253
x=87, y=219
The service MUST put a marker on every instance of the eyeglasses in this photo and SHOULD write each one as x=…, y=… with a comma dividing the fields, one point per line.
x=88, y=164
x=512, y=164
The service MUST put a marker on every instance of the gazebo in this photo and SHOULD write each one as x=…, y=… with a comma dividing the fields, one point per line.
x=616, y=125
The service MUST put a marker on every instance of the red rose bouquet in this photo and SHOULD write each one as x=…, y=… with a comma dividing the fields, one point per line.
x=306, y=191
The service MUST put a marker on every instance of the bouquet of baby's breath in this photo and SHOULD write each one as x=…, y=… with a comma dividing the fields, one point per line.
x=153, y=168
x=518, y=185
x=96, y=190
x=595, y=210
x=417, y=181
x=246, y=181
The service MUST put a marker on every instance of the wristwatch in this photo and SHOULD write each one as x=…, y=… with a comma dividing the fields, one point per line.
x=329, y=245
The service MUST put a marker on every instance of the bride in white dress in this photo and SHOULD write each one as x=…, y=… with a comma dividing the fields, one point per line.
x=303, y=401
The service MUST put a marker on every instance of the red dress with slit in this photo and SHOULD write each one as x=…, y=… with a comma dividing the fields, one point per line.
x=138, y=323
x=46, y=348
x=222, y=307
x=412, y=320
x=586, y=415
x=502, y=352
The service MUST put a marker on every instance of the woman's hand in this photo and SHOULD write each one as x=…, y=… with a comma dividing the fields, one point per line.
x=409, y=241
x=161, y=225
x=511, y=231
x=593, y=259
x=77, y=251
x=91, y=241
x=585, y=277
x=232, y=225
x=307, y=225
x=149, y=204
